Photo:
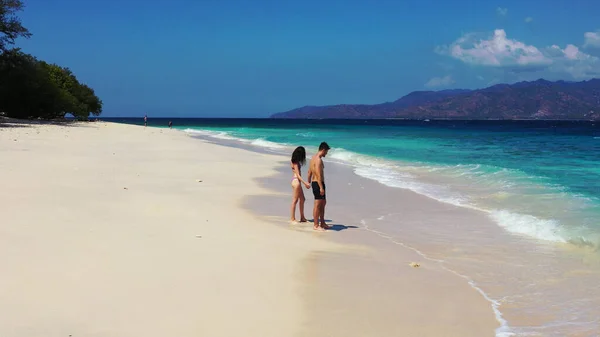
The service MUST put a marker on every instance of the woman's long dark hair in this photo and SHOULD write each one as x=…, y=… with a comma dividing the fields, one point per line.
x=299, y=156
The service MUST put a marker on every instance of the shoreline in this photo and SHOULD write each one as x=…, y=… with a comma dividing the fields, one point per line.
x=359, y=253
x=117, y=246
x=394, y=274
x=510, y=262
x=354, y=280
x=507, y=214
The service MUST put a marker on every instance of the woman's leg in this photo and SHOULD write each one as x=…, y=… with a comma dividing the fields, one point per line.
x=302, y=199
x=295, y=197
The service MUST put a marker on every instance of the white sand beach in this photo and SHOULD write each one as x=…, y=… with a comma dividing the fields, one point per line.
x=120, y=230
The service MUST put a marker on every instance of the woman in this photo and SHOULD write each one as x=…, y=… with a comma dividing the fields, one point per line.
x=298, y=159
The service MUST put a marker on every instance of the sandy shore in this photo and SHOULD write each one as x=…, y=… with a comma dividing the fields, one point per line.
x=371, y=285
x=106, y=231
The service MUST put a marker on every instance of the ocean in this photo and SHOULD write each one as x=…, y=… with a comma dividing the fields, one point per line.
x=534, y=179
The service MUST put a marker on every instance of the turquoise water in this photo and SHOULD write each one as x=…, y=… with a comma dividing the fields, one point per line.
x=538, y=179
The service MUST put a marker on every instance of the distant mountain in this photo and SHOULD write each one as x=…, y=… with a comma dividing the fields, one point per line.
x=539, y=99
x=425, y=97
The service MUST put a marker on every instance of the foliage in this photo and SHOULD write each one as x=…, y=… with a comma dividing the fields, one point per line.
x=10, y=25
x=30, y=88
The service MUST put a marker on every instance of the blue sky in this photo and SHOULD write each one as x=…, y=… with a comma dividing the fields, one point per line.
x=225, y=58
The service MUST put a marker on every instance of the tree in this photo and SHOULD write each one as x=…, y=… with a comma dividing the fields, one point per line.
x=77, y=98
x=30, y=88
x=10, y=25
x=90, y=103
x=25, y=90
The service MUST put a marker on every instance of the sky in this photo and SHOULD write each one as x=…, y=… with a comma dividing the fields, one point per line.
x=226, y=58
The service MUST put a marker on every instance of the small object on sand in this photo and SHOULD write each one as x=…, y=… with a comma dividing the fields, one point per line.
x=15, y=140
x=198, y=236
x=198, y=180
x=125, y=188
x=415, y=264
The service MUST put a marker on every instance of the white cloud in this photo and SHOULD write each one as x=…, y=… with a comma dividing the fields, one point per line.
x=592, y=39
x=501, y=11
x=440, y=81
x=573, y=61
x=528, y=19
x=498, y=51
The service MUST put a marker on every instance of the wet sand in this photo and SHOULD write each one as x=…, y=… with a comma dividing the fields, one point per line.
x=523, y=285
x=370, y=286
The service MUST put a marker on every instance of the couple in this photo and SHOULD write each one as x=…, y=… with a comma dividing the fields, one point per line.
x=316, y=180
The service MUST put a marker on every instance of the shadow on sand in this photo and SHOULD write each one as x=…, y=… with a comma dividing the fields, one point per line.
x=339, y=228
x=335, y=227
x=6, y=122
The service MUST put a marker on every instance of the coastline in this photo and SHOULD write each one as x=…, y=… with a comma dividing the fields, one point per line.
x=394, y=297
x=519, y=277
x=117, y=246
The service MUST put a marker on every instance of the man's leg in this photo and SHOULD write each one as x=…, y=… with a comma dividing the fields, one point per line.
x=322, y=214
x=316, y=213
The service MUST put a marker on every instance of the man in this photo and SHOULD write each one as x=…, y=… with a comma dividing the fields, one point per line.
x=316, y=178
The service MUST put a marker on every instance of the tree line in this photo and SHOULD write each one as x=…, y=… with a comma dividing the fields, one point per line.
x=32, y=88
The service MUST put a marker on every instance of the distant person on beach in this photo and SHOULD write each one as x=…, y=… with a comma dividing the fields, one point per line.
x=316, y=177
x=298, y=159
x=170, y=124
x=145, y=120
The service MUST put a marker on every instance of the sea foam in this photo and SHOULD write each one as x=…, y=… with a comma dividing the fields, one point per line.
x=500, y=182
